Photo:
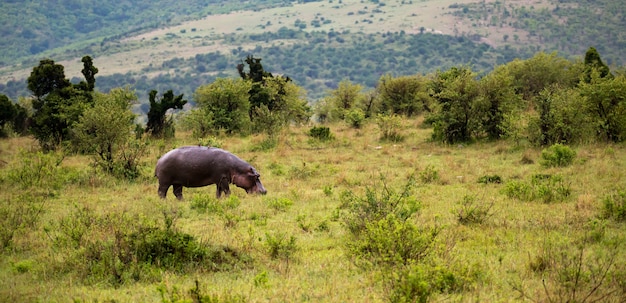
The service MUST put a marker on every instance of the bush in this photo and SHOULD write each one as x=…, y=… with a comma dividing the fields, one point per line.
x=321, y=133
x=279, y=246
x=429, y=174
x=547, y=188
x=490, y=179
x=557, y=155
x=389, y=126
x=355, y=117
x=19, y=214
x=614, y=206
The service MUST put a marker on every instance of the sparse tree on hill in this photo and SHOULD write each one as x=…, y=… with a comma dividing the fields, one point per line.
x=158, y=124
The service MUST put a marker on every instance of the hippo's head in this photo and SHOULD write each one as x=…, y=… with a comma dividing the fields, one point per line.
x=250, y=181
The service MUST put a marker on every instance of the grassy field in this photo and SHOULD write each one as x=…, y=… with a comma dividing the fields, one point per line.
x=307, y=182
x=208, y=34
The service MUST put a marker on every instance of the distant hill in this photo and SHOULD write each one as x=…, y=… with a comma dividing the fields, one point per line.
x=182, y=45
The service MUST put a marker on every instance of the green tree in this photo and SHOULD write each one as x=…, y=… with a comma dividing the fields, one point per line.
x=57, y=104
x=223, y=106
x=106, y=131
x=532, y=75
x=405, y=95
x=559, y=118
x=496, y=100
x=456, y=116
x=7, y=112
x=594, y=62
x=606, y=105
x=158, y=124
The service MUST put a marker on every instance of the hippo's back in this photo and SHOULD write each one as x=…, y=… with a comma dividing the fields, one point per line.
x=194, y=165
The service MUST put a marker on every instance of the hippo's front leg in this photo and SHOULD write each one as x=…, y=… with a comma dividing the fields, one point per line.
x=222, y=186
x=178, y=191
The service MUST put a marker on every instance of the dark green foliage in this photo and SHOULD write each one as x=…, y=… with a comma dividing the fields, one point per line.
x=158, y=124
x=321, y=133
x=593, y=62
x=486, y=179
x=58, y=104
x=8, y=112
x=606, y=106
x=614, y=206
x=457, y=116
x=557, y=155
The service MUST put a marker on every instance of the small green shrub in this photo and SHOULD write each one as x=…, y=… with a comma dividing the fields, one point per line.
x=355, y=117
x=210, y=141
x=429, y=174
x=614, y=206
x=279, y=204
x=304, y=172
x=389, y=126
x=557, y=155
x=378, y=202
x=321, y=133
x=490, y=179
x=279, y=246
x=206, y=203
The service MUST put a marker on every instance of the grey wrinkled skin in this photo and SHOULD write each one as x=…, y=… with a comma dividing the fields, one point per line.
x=197, y=166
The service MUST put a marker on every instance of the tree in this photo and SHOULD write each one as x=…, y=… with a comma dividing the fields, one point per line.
x=456, y=116
x=106, y=131
x=606, y=104
x=158, y=124
x=7, y=112
x=58, y=104
x=222, y=106
x=594, y=62
x=405, y=95
x=496, y=100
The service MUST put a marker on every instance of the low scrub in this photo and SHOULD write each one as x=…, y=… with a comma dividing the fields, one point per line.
x=133, y=249
x=547, y=188
x=614, y=206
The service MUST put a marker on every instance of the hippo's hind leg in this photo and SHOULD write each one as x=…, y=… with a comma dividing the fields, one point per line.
x=163, y=190
x=178, y=191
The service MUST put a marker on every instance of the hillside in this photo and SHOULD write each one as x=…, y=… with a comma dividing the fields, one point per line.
x=316, y=43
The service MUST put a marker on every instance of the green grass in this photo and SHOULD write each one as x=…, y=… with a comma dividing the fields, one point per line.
x=291, y=243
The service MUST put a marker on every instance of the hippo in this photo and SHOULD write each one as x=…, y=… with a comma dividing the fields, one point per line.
x=197, y=166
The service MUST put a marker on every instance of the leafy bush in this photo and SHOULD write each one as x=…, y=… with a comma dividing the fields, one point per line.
x=547, y=188
x=614, y=206
x=377, y=205
x=279, y=204
x=429, y=174
x=321, y=133
x=557, y=155
x=355, y=117
x=279, y=246
x=389, y=126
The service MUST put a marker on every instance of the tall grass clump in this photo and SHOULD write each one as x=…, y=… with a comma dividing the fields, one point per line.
x=577, y=273
x=614, y=206
x=471, y=211
x=557, y=155
x=19, y=214
x=389, y=126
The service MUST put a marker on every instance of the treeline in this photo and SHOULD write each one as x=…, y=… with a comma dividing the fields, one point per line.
x=318, y=64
